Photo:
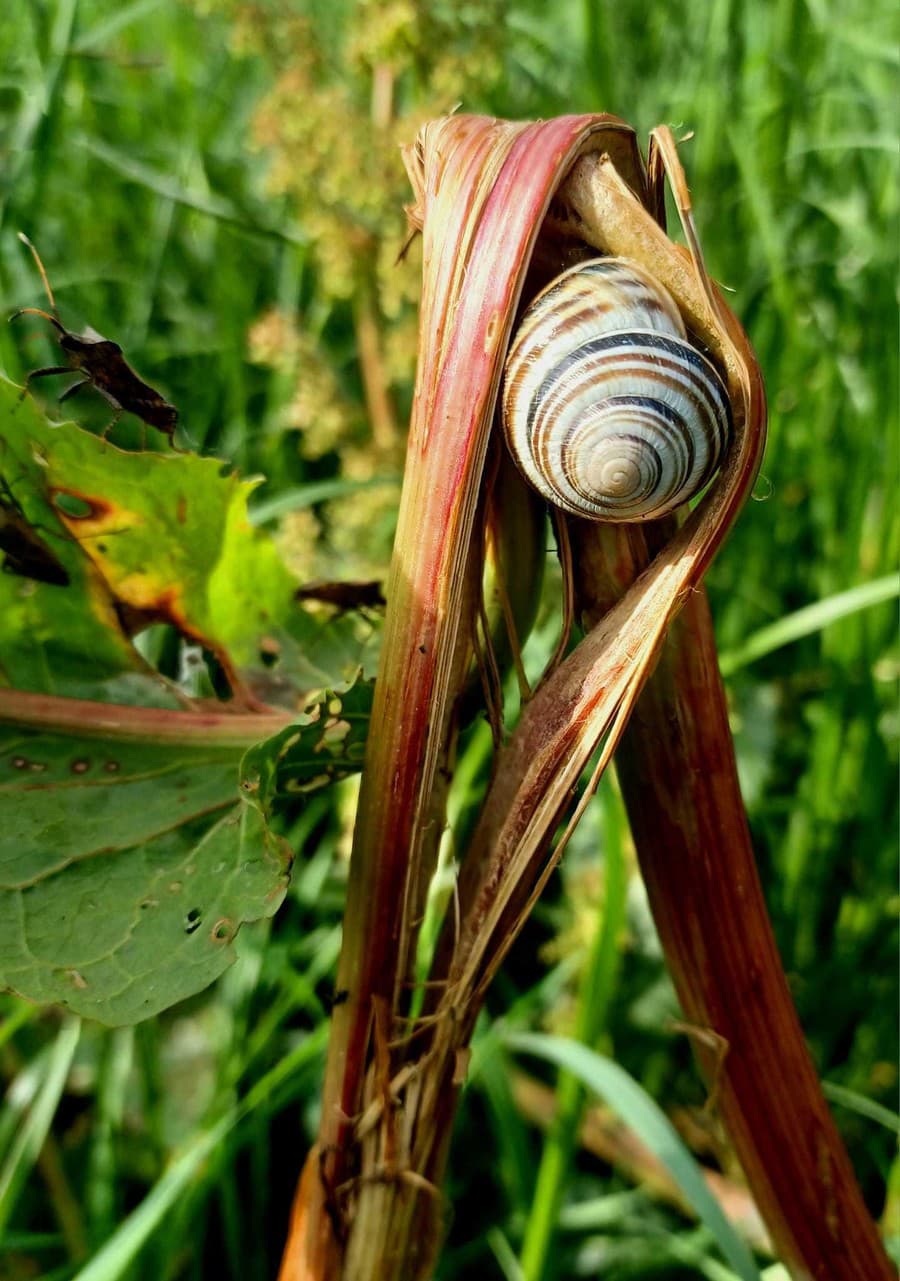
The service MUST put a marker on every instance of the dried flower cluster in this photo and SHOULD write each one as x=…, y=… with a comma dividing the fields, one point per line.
x=346, y=94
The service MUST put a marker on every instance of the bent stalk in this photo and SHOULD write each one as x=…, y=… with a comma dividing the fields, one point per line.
x=502, y=207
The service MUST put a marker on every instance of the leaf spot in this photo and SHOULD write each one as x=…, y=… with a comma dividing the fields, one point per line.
x=78, y=506
x=333, y=734
x=81, y=766
x=223, y=930
x=175, y=887
x=20, y=762
x=192, y=921
x=111, y=767
x=269, y=651
x=310, y=785
x=77, y=980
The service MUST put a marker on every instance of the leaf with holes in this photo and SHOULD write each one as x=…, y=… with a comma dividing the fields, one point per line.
x=325, y=744
x=127, y=867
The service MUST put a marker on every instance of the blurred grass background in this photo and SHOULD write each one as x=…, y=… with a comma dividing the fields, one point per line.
x=217, y=185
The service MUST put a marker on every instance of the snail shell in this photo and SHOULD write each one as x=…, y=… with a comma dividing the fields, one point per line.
x=608, y=409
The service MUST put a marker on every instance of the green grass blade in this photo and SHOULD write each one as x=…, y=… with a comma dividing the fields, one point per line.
x=114, y=23
x=21, y=1013
x=34, y=1129
x=597, y=988
x=168, y=186
x=116, y=1256
x=810, y=619
x=635, y=1107
x=505, y=1256
x=321, y=491
x=858, y=1103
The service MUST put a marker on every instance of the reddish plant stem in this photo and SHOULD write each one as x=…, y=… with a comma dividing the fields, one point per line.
x=54, y=713
x=678, y=773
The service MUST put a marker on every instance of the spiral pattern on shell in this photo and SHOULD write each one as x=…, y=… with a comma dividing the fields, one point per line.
x=608, y=409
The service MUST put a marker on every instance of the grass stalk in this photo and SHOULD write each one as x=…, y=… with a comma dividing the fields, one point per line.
x=597, y=987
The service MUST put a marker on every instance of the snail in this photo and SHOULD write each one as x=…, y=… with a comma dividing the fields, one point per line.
x=608, y=409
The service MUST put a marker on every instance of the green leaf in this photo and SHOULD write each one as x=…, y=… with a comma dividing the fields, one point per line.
x=127, y=866
x=126, y=872
x=129, y=853
x=150, y=538
x=323, y=745
x=635, y=1107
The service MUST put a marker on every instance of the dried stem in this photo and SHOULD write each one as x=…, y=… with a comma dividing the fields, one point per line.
x=677, y=769
x=368, y=1205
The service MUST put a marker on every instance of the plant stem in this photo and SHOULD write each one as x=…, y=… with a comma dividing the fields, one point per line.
x=597, y=987
x=679, y=779
x=55, y=713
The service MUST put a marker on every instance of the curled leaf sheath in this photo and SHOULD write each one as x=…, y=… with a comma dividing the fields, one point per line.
x=484, y=198
x=483, y=192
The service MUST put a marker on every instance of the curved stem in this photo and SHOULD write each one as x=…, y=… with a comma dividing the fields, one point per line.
x=85, y=717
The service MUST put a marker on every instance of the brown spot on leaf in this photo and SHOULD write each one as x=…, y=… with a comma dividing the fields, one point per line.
x=111, y=767
x=73, y=505
x=142, y=608
x=20, y=762
x=181, y=510
x=76, y=979
x=81, y=766
x=140, y=602
x=223, y=930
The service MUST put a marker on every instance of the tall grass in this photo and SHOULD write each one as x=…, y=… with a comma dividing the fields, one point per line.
x=128, y=159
